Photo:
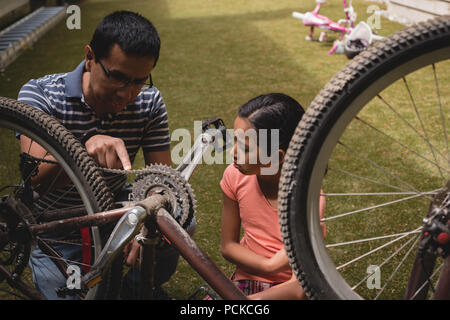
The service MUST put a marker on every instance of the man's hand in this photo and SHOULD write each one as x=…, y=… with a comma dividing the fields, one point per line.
x=132, y=252
x=108, y=152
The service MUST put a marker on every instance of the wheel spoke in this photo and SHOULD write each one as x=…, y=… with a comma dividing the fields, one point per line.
x=444, y=128
x=412, y=127
x=52, y=184
x=68, y=261
x=398, y=266
x=374, y=207
x=375, y=194
x=367, y=179
x=373, y=251
x=380, y=168
x=372, y=238
x=387, y=259
x=422, y=126
x=407, y=148
x=49, y=206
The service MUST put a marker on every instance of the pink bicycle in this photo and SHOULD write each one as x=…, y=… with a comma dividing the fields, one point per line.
x=352, y=39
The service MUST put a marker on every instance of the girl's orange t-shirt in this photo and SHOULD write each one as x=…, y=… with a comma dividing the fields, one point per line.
x=259, y=220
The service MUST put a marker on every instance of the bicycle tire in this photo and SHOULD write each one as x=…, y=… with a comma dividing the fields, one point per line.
x=317, y=134
x=71, y=154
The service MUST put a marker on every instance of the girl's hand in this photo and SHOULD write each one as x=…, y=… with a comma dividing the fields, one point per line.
x=289, y=290
x=278, y=262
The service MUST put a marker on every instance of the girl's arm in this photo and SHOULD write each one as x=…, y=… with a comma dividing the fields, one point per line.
x=240, y=256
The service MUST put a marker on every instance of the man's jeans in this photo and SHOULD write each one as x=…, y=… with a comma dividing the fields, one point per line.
x=46, y=276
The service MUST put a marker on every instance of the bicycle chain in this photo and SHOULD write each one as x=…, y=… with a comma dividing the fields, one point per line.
x=146, y=170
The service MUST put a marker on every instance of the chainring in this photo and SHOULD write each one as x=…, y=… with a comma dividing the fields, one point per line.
x=161, y=178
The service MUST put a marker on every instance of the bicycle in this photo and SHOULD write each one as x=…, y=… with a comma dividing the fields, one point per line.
x=375, y=139
x=359, y=36
x=162, y=205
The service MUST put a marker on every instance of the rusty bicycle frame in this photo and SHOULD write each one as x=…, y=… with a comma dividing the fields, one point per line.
x=150, y=217
x=156, y=217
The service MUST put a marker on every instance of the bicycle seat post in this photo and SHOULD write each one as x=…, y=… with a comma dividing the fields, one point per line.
x=148, y=238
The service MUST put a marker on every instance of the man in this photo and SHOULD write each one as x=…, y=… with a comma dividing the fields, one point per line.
x=109, y=103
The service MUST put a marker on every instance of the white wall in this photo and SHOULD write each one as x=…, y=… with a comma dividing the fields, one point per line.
x=7, y=6
x=411, y=11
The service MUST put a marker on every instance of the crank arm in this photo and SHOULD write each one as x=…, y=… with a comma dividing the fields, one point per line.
x=125, y=230
x=209, y=136
x=193, y=158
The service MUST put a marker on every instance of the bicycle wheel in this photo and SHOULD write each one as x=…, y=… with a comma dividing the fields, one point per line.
x=83, y=185
x=375, y=141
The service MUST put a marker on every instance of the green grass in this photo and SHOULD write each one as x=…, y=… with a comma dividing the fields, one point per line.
x=215, y=56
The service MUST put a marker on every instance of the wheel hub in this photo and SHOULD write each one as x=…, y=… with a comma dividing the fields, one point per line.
x=436, y=231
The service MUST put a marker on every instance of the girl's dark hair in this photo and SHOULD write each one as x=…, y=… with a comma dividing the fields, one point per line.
x=273, y=111
x=131, y=31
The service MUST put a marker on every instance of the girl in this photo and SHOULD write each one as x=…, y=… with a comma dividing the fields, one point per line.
x=250, y=196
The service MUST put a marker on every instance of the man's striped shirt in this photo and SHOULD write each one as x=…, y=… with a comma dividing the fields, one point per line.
x=141, y=124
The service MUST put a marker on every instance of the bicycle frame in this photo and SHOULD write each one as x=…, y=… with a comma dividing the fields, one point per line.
x=155, y=215
x=147, y=217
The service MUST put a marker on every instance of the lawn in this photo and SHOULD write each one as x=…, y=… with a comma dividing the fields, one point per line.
x=215, y=56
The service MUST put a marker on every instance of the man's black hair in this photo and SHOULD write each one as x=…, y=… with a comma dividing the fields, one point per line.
x=132, y=32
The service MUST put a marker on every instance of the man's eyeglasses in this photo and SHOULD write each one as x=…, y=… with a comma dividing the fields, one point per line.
x=120, y=80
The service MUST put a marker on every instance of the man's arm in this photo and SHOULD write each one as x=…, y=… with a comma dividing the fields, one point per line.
x=107, y=151
x=50, y=176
